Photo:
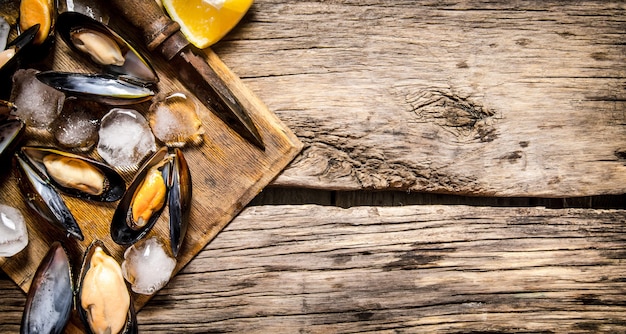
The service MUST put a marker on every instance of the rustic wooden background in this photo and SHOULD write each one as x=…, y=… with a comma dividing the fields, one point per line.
x=463, y=171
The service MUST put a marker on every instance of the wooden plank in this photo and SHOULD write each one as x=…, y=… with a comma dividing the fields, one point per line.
x=473, y=97
x=450, y=269
x=227, y=172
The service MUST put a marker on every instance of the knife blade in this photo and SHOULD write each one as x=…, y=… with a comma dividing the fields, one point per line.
x=163, y=34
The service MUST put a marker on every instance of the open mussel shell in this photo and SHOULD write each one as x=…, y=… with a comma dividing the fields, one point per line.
x=96, y=87
x=11, y=132
x=20, y=43
x=145, y=198
x=103, y=301
x=104, y=47
x=179, y=199
x=43, y=198
x=77, y=175
x=11, y=58
x=51, y=294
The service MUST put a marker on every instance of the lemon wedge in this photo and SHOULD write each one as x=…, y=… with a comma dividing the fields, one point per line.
x=37, y=12
x=204, y=22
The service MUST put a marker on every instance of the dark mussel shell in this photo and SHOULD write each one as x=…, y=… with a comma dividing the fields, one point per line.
x=96, y=87
x=7, y=109
x=103, y=46
x=20, y=46
x=89, y=297
x=108, y=189
x=21, y=43
x=179, y=199
x=123, y=229
x=43, y=198
x=11, y=132
x=50, y=297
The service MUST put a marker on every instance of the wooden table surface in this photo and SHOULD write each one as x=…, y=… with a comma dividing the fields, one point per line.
x=446, y=146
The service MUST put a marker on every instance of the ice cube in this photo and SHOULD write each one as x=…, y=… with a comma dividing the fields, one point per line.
x=38, y=104
x=174, y=120
x=77, y=126
x=5, y=28
x=147, y=266
x=124, y=138
x=13, y=231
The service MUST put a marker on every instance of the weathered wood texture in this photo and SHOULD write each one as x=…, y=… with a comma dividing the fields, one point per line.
x=227, y=172
x=315, y=269
x=494, y=98
x=488, y=98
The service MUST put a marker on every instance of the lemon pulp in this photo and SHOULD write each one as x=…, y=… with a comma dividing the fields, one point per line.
x=37, y=12
x=204, y=22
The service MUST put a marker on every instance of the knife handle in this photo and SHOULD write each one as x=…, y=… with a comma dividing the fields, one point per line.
x=149, y=18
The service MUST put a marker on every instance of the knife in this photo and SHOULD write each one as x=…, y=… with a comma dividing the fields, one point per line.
x=163, y=34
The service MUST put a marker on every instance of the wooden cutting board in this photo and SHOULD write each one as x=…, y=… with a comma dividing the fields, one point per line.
x=227, y=173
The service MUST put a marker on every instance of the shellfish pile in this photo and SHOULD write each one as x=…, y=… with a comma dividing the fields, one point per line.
x=139, y=185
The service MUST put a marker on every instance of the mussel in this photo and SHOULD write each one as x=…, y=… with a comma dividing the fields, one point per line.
x=77, y=175
x=127, y=76
x=11, y=56
x=43, y=198
x=6, y=55
x=103, y=301
x=51, y=294
x=143, y=201
x=106, y=48
x=6, y=109
x=96, y=87
x=179, y=199
x=164, y=180
x=11, y=130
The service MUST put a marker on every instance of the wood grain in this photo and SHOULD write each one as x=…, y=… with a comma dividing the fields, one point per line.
x=450, y=269
x=515, y=102
x=487, y=98
x=227, y=173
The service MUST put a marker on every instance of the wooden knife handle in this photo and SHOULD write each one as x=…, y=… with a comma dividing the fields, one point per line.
x=149, y=18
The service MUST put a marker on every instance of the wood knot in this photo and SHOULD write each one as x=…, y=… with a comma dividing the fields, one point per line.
x=620, y=154
x=465, y=119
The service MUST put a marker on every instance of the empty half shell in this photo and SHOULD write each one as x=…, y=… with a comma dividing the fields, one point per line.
x=179, y=199
x=11, y=131
x=51, y=294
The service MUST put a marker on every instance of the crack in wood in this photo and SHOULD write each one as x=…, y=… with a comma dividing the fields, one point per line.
x=465, y=119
